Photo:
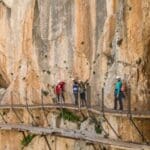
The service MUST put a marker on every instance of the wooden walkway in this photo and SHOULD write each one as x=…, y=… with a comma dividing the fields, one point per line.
x=93, y=109
x=75, y=134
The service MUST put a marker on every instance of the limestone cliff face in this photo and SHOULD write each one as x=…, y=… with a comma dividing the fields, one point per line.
x=125, y=51
x=46, y=41
x=43, y=41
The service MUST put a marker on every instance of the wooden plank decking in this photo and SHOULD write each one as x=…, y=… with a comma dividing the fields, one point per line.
x=93, y=109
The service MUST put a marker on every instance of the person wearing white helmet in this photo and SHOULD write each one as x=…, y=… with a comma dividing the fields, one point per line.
x=118, y=77
x=117, y=93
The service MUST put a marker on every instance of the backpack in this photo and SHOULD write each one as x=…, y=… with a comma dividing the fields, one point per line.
x=124, y=87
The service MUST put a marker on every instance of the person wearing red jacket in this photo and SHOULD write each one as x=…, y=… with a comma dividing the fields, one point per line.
x=62, y=85
x=58, y=92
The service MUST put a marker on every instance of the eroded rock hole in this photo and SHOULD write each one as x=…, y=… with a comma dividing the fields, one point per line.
x=82, y=43
x=119, y=42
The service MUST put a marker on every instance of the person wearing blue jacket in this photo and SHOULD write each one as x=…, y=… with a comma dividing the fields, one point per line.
x=75, y=91
x=117, y=94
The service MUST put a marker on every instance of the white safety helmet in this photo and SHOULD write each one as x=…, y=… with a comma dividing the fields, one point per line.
x=118, y=77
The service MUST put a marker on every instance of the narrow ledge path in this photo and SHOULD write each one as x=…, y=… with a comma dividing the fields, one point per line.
x=93, y=109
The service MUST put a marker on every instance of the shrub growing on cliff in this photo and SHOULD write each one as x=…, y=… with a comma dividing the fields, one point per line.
x=67, y=115
x=98, y=125
x=98, y=128
x=45, y=93
x=26, y=140
x=48, y=72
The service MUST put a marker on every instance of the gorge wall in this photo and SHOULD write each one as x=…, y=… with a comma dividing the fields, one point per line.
x=44, y=41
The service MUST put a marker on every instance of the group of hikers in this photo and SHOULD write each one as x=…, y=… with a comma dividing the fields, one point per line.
x=79, y=90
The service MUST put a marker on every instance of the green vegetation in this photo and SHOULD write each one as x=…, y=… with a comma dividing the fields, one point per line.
x=98, y=128
x=98, y=125
x=67, y=115
x=27, y=139
x=45, y=93
x=48, y=72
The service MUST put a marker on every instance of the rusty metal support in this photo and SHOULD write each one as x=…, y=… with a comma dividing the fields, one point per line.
x=26, y=99
x=43, y=109
x=131, y=119
x=49, y=147
x=3, y=118
x=103, y=111
x=138, y=130
x=111, y=126
x=14, y=109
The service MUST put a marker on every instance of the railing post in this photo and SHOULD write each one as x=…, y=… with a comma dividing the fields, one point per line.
x=11, y=99
x=129, y=100
x=42, y=97
x=102, y=100
x=79, y=101
x=43, y=109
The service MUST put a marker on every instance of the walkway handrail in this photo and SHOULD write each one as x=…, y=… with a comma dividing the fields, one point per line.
x=135, y=114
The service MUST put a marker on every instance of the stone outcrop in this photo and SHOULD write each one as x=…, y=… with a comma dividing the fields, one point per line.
x=43, y=41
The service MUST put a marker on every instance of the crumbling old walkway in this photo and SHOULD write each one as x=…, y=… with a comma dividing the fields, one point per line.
x=75, y=134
